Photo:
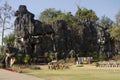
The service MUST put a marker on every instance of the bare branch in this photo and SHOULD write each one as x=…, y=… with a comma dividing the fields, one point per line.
x=10, y=28
x=7, y=28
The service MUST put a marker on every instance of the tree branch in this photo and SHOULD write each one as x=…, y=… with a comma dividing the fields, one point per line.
x=8, y=28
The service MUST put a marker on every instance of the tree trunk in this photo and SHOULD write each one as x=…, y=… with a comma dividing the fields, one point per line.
x=3, y=29
x=2, y=36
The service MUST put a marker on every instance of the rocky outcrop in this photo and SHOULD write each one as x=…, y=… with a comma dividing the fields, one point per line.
x=32, y=36
x=35, y=38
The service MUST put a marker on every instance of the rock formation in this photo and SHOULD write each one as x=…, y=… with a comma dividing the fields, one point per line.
x=32, y=36
x=36, y=38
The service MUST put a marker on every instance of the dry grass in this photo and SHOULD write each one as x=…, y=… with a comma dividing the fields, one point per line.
x=76, y=73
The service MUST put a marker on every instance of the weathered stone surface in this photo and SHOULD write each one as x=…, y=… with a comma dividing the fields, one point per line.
x=32, y=36
x=61, y=36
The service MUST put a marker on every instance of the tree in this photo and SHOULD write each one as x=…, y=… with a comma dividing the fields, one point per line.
x=115, y=30
x=118, y=18
x=6, y=13
x=106, y=22
x=85, y=15
x=49, y=15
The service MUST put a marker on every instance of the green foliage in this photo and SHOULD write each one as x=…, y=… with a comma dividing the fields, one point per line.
x=115, y=30
x=106, y=22
x=85, y=15
x=97, y=64
x=26, y=58
x=2, y=50
x=1, y=55
x=49, y=15
x=9, y=39
x=51, y=56
x=19, y=58
x=22, y=58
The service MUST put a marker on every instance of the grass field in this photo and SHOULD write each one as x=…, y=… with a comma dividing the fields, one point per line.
x=76, y=73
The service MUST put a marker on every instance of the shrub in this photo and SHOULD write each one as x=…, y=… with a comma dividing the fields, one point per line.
x=26, y=58
x=2, y=50
x=51, y=56
x=18, y=58
x=97, y=64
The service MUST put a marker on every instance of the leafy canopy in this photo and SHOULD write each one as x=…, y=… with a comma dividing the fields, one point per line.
x=115, y=30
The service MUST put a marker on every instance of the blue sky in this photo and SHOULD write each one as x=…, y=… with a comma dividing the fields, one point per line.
x=101, y=7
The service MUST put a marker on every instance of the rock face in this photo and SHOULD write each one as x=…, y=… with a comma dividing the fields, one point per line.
x=36, y=38
x=32, y=36
x=61, y=35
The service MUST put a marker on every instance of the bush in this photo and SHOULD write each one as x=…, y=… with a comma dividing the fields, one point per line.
x=22, y=58
x=51, y=56
x=2, y=50
x=97, y=64
x=26, y=58
x=1, y=55
x=19, y=58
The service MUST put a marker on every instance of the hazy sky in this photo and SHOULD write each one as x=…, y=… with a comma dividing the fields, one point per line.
x=101, y=7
